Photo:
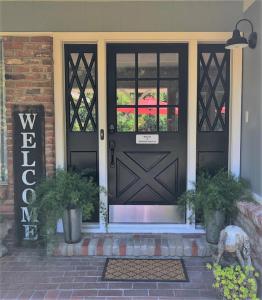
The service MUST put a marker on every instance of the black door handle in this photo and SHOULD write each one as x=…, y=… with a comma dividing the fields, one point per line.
x=112, y=146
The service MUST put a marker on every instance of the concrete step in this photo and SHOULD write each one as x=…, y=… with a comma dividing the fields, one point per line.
x=175, y=245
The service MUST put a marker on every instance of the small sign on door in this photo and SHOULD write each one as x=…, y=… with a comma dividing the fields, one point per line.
x=147, y=139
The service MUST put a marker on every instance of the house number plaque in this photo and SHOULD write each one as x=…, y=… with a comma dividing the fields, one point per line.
x=28, y=157
x=147, y=139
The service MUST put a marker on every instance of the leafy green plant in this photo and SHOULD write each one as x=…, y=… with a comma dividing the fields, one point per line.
x=236, y=283
x=65, y=190
x=104, y=212
x=218, y=192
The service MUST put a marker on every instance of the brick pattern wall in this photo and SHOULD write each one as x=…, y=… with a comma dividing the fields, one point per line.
x=250, y=219
x=28, y=80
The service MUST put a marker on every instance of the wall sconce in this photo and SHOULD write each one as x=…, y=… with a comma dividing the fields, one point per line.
x=238, y=41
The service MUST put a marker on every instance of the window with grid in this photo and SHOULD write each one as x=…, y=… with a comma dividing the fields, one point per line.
x=147, y=92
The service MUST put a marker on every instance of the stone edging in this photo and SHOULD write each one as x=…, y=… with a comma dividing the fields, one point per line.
x=253, y=211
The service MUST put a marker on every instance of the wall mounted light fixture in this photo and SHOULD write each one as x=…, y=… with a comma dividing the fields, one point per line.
x=238, y=41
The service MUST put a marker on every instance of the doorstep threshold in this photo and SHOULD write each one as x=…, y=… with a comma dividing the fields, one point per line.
x=141, y=228
x=126, y=244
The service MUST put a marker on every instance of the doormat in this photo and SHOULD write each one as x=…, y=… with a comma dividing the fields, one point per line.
x=125, y=269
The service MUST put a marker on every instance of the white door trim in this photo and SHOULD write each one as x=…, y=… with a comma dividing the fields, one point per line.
x=234, y=143
x=101, y=39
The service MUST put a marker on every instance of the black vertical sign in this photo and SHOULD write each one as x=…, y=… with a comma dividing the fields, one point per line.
x=28, y=151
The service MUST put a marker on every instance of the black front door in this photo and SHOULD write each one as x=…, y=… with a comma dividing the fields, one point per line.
x=147, y=125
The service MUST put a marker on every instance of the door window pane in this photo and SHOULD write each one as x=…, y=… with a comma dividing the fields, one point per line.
x=169, y=65
x=125, y=65
x=125, y=93
x=168, y=118
x=125, y=119
x=147, y=65
x=147, y=119
x=89, y=92
x=147, y=92
x=88, y=58
x=168, y=94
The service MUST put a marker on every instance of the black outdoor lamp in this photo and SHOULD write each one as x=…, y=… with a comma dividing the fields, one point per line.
x=238, y=41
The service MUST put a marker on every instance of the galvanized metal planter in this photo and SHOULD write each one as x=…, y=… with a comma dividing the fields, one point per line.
x=215, y=222
x=72, y=220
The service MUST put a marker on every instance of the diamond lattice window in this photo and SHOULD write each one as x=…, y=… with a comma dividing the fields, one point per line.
x=82, y=91
x=212, y=95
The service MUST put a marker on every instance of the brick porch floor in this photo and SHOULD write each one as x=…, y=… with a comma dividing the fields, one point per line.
x=30, y=274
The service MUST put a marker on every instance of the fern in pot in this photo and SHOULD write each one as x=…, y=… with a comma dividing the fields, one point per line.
x=66, y=195
x=215, y=197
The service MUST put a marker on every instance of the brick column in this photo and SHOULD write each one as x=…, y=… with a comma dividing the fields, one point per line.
x=28, y=80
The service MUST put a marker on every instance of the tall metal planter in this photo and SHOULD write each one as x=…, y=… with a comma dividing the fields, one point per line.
x=215, y=222
x=72, y=220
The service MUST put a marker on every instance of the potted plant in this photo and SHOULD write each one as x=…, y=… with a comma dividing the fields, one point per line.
x=234, y=282
x=215, y=197
x=66, y=195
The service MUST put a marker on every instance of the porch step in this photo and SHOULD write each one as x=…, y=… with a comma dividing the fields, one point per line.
x=179, y=245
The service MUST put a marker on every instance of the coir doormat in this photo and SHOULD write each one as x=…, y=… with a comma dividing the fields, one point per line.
x=125, y=269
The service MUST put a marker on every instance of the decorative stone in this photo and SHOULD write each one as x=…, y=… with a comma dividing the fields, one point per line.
x=233, y=239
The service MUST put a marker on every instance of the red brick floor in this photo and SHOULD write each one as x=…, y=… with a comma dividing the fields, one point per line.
x=29, y=274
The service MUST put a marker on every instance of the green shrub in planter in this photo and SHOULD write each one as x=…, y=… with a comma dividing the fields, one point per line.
x=57, y=195
x=215, y=196
x=236, y=283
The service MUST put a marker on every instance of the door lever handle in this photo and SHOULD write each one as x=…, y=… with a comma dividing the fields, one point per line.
x=112, y=146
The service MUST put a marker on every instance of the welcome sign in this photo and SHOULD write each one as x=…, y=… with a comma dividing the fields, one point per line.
x=28, y=156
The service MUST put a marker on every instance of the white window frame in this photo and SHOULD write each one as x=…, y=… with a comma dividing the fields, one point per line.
x=101, y=39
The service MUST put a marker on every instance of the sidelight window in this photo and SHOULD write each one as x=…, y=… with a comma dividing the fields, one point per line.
x=81, y=91
x=212, y=91
x=147, y=92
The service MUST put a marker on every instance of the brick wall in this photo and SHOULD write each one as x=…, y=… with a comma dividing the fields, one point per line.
x=28, y=80
x=250, y=219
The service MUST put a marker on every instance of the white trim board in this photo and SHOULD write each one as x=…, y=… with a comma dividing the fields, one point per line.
x=247, y=4
x=92, y=37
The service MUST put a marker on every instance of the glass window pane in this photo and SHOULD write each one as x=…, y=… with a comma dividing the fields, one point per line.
x=88, y=57
x=147, y=92
x=90, y=126
x=84, y=82
x=125, y=65
x=147, y=65
x=125, y=119
x=169, y=65
x=212, y=93
x=89, y=92
x=125, y=93
x=82, y=112
x=147, y=119
x=169, y=92
x=168, y=118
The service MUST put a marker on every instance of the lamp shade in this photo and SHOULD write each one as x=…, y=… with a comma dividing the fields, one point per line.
x=237, y=41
